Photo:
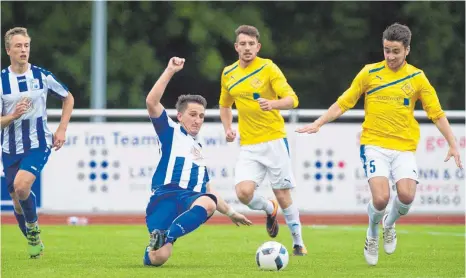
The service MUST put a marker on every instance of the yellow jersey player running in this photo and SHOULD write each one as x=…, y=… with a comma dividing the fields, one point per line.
x=259, y=89
x=390, y=132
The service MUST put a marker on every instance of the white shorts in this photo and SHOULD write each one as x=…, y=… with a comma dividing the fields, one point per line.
x=270, y=158
x=392, y=164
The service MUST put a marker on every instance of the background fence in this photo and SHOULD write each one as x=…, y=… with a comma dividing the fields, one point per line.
x=107, y=167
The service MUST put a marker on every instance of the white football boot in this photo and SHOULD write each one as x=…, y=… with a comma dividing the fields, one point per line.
x=389, y=237
x=371, y=250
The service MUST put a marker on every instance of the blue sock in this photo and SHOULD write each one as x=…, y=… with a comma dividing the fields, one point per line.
x=146, y=259
x=187, y=222
x=21, y=222
x=29, y=208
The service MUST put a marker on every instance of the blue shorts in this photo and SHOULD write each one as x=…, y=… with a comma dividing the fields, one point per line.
x=33, y=161
x=167, y=203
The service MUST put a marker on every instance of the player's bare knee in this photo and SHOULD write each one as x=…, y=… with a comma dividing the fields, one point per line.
x=158, y=258
x=245, y=191
x=380, y=201
x=22, y=189
x=159, y=261
x=406, y=189
x=210, y=206
x=207, y=203
x=406, y=198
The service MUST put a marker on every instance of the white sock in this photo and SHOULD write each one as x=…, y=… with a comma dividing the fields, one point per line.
x=291, y=214
x=374, y=219
x=260, y=203
x=398, y=209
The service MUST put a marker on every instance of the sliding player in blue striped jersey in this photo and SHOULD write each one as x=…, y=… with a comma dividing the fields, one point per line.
x=182, y=198
x=26, y=140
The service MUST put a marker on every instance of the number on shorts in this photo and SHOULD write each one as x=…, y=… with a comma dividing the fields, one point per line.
x=372, y=166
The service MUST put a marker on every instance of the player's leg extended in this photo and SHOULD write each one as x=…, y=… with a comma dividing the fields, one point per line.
x=376, y=166
x=405, y=174
x=202, y=207
x=160, y=213
x=196, y=207
x=380, y=191
x=280, y=174
x=249, y=172
x=30, y=168
x=27, y=199
x=291, y=214
x=11, y=167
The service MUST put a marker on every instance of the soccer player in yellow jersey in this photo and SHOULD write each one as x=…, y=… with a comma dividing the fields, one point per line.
x=259, y=90
x=390, y=132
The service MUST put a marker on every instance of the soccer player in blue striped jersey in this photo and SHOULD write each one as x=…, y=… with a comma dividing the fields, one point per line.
x=182, y=198
x=25, y=138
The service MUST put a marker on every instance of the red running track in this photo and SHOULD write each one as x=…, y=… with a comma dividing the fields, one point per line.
x=306, y=219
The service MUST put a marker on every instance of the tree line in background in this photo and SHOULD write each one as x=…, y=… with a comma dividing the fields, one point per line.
x=320, y=46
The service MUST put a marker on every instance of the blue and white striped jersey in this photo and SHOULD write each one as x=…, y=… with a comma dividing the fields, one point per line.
x=181, y=162
x=30, y=131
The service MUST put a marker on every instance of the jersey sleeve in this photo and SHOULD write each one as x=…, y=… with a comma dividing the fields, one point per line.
x=280, y=85
x=163, y=123
x=429, y=99
x=55, y=87
x=351, y=96
x=226, y=100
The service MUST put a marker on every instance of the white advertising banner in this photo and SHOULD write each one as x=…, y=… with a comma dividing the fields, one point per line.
x=331, y=177
x=108, y=167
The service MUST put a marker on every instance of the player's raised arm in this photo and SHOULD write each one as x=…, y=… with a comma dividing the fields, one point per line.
x=154, y=107
x=345, y=102
x=431, y=105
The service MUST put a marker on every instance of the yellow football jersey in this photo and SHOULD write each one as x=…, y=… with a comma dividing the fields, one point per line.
x=242, y=86
x=389, y=103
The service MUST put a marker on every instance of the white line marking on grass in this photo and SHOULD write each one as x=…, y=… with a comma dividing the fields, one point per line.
x=350, y=228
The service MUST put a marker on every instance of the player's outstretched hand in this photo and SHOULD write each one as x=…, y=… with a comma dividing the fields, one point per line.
x=238, y=219
x=310, y=128
x=453, y=151
x=230, y=135
x=175, y=64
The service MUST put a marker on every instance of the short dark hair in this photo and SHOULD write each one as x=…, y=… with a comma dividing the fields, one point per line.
x=398, y=32
x=247, y=30
x=184, y=100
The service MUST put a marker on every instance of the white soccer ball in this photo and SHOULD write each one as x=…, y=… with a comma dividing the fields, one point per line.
x=272, y=255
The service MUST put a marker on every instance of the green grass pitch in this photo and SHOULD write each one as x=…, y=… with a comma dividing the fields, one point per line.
x=229, y=251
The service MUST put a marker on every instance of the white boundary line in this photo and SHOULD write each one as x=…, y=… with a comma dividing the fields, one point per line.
x=358, y=229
